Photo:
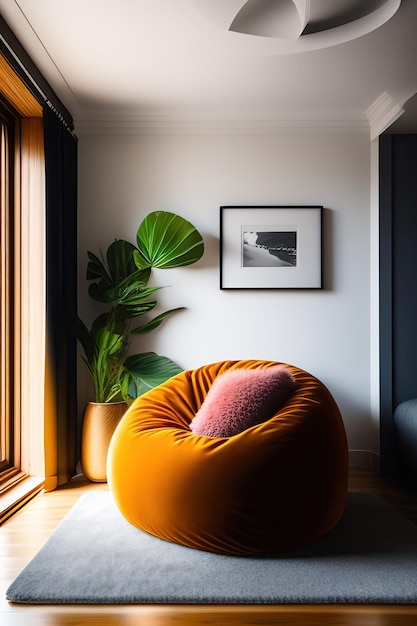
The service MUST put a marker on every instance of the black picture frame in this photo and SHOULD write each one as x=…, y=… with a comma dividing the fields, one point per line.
x=271, y=247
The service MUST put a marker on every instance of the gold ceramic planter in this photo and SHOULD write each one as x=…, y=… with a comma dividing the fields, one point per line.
x=99, y=423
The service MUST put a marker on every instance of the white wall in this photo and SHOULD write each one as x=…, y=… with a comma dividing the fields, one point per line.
x=327, y=332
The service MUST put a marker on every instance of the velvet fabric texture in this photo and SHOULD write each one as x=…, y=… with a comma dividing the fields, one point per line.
x=241, y=398
x=272, y=487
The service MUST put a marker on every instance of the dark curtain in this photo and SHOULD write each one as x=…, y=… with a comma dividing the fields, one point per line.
x=61, y=300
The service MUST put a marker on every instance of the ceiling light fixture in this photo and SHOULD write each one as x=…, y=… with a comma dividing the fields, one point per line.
x=300, y=25
x=285, y=19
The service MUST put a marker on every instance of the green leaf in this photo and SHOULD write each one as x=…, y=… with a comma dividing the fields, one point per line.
x=120, y=260
x=120, y=274
x=107, y=366
x=107, y=342
x=84, y=338
x=148, y=370
x=105, y=319
x=154, y=323
x=128, y=292
x=167, y=240
x=96, y=268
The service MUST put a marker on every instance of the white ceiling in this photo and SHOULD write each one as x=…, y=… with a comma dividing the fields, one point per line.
x=170, y=57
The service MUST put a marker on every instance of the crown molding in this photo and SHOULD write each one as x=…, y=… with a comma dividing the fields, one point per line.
x=382, y=113
x=220, y=123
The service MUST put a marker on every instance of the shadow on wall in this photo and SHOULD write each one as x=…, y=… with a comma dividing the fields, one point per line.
x=211, y=257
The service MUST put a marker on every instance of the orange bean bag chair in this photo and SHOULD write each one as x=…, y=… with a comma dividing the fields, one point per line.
x=274, y=486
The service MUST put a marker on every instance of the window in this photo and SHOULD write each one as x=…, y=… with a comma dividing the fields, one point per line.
x=22, y=302
x=9, y=425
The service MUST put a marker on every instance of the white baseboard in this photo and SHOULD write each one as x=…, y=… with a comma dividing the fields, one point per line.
x=363, y=460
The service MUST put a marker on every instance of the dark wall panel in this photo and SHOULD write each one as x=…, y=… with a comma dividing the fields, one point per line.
x=404, y=225
x=398, y=282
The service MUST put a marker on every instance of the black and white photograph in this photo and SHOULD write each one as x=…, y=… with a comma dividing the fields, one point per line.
x=271, y=247
x=268, y=248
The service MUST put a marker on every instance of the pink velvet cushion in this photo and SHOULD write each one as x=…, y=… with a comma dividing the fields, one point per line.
x=241, y=398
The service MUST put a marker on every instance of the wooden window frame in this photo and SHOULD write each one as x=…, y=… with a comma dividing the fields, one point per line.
x=10, y=471
x=25, y=476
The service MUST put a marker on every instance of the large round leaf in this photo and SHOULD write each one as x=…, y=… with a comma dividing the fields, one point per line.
x=167, y=240
x=147, y=370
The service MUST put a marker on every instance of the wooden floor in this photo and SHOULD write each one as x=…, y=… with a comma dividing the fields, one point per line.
x=23, y=535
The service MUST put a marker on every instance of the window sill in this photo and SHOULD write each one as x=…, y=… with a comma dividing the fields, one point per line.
x=15, y=497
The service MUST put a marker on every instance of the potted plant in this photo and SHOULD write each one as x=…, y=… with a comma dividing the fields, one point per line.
x=121, y=284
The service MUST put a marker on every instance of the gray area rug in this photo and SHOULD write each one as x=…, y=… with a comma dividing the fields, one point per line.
x=96, y=557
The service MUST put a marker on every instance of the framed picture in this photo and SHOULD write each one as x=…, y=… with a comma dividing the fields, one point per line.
x=270, y=247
